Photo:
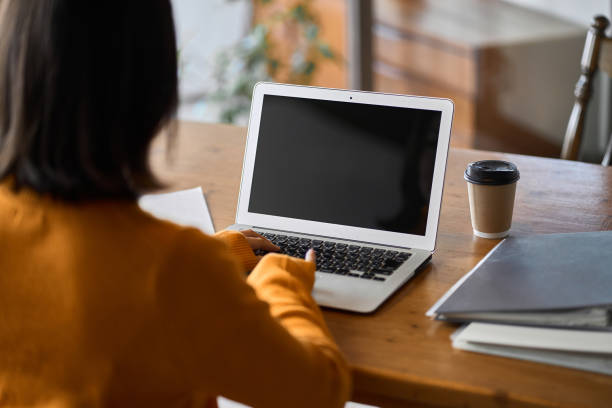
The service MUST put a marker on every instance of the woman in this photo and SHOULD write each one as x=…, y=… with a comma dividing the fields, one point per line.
x=101, y=304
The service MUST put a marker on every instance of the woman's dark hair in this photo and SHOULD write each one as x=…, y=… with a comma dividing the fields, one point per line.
x=84, y=88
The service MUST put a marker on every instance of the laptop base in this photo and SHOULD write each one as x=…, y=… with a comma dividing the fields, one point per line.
x=352, y=293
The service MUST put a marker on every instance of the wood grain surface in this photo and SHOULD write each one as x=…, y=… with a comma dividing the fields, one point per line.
x=398, y=355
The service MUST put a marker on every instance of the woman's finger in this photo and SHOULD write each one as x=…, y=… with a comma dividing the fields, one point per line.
x=258, y=241
x=262, y=243
x=250, y=233
x=311, y=256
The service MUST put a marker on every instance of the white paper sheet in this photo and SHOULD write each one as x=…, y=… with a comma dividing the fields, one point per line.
x=186, y=207
x=582, y=350
x=539, y=338
x=226, y=403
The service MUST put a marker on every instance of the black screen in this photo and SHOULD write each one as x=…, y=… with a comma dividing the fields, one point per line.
x=345, y=163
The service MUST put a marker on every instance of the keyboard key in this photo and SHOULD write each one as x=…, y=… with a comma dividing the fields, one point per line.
x=378, y=278
x=402, y=256
x=386, y=272
x=392, y=263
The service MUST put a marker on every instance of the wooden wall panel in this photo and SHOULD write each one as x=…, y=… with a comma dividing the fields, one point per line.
x=333, y=21
x=386, y=79
x=485, y=56
x=332, y=18
x=449, y=66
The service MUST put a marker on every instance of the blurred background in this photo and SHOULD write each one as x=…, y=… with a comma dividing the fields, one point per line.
x=509, y=66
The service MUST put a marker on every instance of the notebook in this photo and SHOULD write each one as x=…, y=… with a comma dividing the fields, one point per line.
x=556, y=280
x=579, y=349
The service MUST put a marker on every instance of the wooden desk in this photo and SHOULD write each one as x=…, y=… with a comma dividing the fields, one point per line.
x=400, y=357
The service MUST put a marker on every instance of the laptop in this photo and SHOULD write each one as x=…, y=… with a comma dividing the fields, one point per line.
x=355, y=175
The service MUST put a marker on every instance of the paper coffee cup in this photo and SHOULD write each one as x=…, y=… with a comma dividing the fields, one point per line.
x=491, y=190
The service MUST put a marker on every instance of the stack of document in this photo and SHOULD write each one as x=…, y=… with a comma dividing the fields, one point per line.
x=582, y=350
x=555, y=280
x=549, y=298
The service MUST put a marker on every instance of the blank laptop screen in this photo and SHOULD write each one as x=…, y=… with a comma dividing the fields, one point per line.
x=345, y=163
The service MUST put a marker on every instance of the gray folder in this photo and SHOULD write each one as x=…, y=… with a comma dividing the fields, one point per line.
x=543, y=275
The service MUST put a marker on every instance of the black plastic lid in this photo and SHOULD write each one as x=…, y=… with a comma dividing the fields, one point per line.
x=492, y=172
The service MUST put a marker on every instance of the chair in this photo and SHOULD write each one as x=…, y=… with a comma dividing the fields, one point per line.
x=597, y=54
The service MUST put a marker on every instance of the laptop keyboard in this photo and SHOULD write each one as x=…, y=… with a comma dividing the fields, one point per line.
x=354, y=261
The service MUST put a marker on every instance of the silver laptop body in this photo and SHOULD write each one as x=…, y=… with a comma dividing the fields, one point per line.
x=357, y=174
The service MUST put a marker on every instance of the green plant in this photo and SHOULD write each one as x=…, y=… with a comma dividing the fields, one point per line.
x=259, y=56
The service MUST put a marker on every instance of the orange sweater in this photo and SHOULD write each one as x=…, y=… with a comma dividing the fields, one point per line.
x=104, y=305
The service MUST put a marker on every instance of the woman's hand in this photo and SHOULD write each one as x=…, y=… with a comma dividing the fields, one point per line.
x=257, y=241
